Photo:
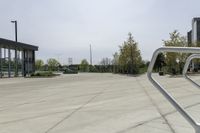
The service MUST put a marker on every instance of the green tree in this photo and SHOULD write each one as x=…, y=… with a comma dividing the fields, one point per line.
x=92, y=68
x=175, y=61
x=84, y=66
x=39, y=64
x=129, y=57
x=105, y=65
x=53, y=64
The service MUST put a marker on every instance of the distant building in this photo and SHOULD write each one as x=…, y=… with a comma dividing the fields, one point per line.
x=194, y=35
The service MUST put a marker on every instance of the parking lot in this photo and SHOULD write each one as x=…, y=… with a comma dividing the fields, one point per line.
x=95, y=103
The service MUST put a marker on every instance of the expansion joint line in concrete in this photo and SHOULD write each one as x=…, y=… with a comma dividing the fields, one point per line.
x=156, y=118
x=157, y=108
x=76, y=110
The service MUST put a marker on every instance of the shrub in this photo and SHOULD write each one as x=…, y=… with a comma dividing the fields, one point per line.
x=44, y=74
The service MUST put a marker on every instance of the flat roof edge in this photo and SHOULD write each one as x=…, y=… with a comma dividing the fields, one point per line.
x=12, y=44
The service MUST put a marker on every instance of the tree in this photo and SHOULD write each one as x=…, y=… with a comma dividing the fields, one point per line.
x=105, y=65
x=175, y=61
x=84, y=66
x=39, y=64
x=105, y=61
x=129, y=57
x=53, y=64
x=92, y=68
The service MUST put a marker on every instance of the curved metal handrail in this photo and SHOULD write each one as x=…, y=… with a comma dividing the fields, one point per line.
x=164, y=92
x=193, y=56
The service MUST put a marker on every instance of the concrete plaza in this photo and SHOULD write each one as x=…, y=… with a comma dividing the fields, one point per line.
x=95, y=103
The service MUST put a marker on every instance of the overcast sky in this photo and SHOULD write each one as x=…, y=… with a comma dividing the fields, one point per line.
x=66, y=28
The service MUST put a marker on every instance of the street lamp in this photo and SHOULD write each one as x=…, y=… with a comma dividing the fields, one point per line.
x=16, y=61
x=15, y=22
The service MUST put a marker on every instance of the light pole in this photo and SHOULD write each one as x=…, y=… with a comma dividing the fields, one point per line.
x=16, y=62
x=15, y=22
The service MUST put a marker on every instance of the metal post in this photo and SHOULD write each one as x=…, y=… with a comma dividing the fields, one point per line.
x=193, y=56
x=164, y=92
x=9, y=65
x=28, y=62
x=15, y=22
x=15, y=31
x=23, y=63
x=16, y=61
x=33, y=61
x=1, y=62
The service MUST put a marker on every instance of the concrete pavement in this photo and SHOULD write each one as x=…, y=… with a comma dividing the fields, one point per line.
x=95, y=103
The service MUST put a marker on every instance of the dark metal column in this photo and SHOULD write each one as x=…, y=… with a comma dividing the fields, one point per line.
x=33, y=61
x=16, y=63
x=16, y=31
x=9, y=65
x=1, y=63
x=28, y=71
x=24, y=63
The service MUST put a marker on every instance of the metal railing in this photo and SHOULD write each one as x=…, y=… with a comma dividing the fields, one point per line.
x=189, y=59
x=164, y=92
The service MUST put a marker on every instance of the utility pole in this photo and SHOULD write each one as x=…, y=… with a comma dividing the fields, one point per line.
x=16, y=60
x=90, y=54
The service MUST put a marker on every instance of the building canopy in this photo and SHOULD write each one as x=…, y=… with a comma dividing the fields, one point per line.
x=5, y=43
